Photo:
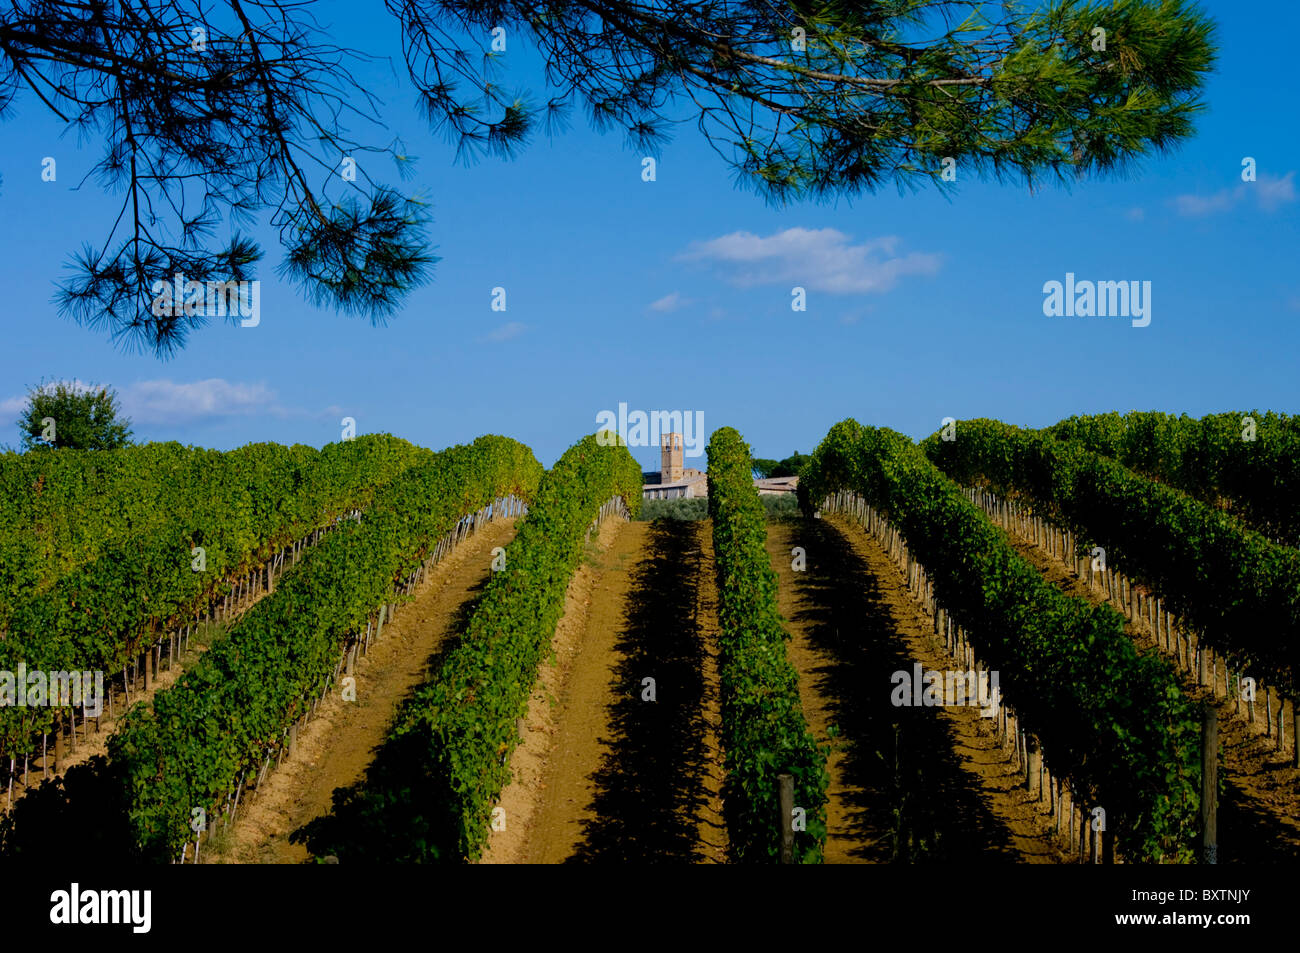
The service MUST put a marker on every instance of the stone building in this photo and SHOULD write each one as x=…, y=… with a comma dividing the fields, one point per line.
x=675, y=480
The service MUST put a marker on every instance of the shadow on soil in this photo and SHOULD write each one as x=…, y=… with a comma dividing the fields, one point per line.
x=909, y=801
x=649, y=786
x=397, y=812
x=1249, y=835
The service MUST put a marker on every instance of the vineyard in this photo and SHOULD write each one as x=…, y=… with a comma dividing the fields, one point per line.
x=1072, y=645
x=635, y=435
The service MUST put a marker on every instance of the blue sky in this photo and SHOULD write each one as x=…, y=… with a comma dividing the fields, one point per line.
x=675, y=294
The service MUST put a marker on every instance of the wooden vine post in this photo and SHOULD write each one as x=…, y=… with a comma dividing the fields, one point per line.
x=1295, y=731
x=786, y=807
x=1210, y=786
x=58, y=742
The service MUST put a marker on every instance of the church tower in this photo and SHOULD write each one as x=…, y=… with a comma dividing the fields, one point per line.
x=672, y=458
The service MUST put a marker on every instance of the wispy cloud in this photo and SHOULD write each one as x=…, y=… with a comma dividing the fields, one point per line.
x=165, y=402
x=823, y=259
x=669, y=303
x=507, y=331
x=1270, y=192
x=170, y=402
x=1194, y=206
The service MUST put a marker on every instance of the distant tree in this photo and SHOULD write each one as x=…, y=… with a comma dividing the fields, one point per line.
x=231, y=111
x=76, y=418
x=766, y=469
x=790, y=466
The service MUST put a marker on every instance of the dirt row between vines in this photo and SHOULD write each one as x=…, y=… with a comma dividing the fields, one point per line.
x=336, y=747
x=918, y=785
x=1259, y=810
x=607, y=772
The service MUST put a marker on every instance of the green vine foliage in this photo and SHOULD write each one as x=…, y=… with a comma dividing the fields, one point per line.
x=1237, y=589
x=1246, y=462
x=66, y=509
x=108, y=549
x=1113, y=721
x=227, y=713
x=763, y=728
x=429, y=795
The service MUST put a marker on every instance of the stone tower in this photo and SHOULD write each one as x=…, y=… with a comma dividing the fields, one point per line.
x=671, y=458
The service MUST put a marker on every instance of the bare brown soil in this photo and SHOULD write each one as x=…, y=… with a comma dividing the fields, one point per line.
x=528, y=789
x=615, y=776
x=712, y=826
x=336, y=747
x=1259, y=811
x=918, y=785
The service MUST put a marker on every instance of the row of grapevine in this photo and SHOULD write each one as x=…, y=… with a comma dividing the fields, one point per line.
x=1113, y=722
x=1249, y=462
x=206, y=734
x=429, y=794
x=1238, y=590
x=1147, y=614
x=1072, y=816
x=763, y=729
x=135, y=595
x=66, y=509
x=26, y=718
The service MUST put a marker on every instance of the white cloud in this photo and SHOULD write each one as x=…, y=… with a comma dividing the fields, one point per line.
x=1194, y=206
x=669, y=302
x=1136, y=214
x=507, y=331
x=821, y=259
x=172, y=403
x=169, y=402
x=1270, y=192
x=11, y=407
